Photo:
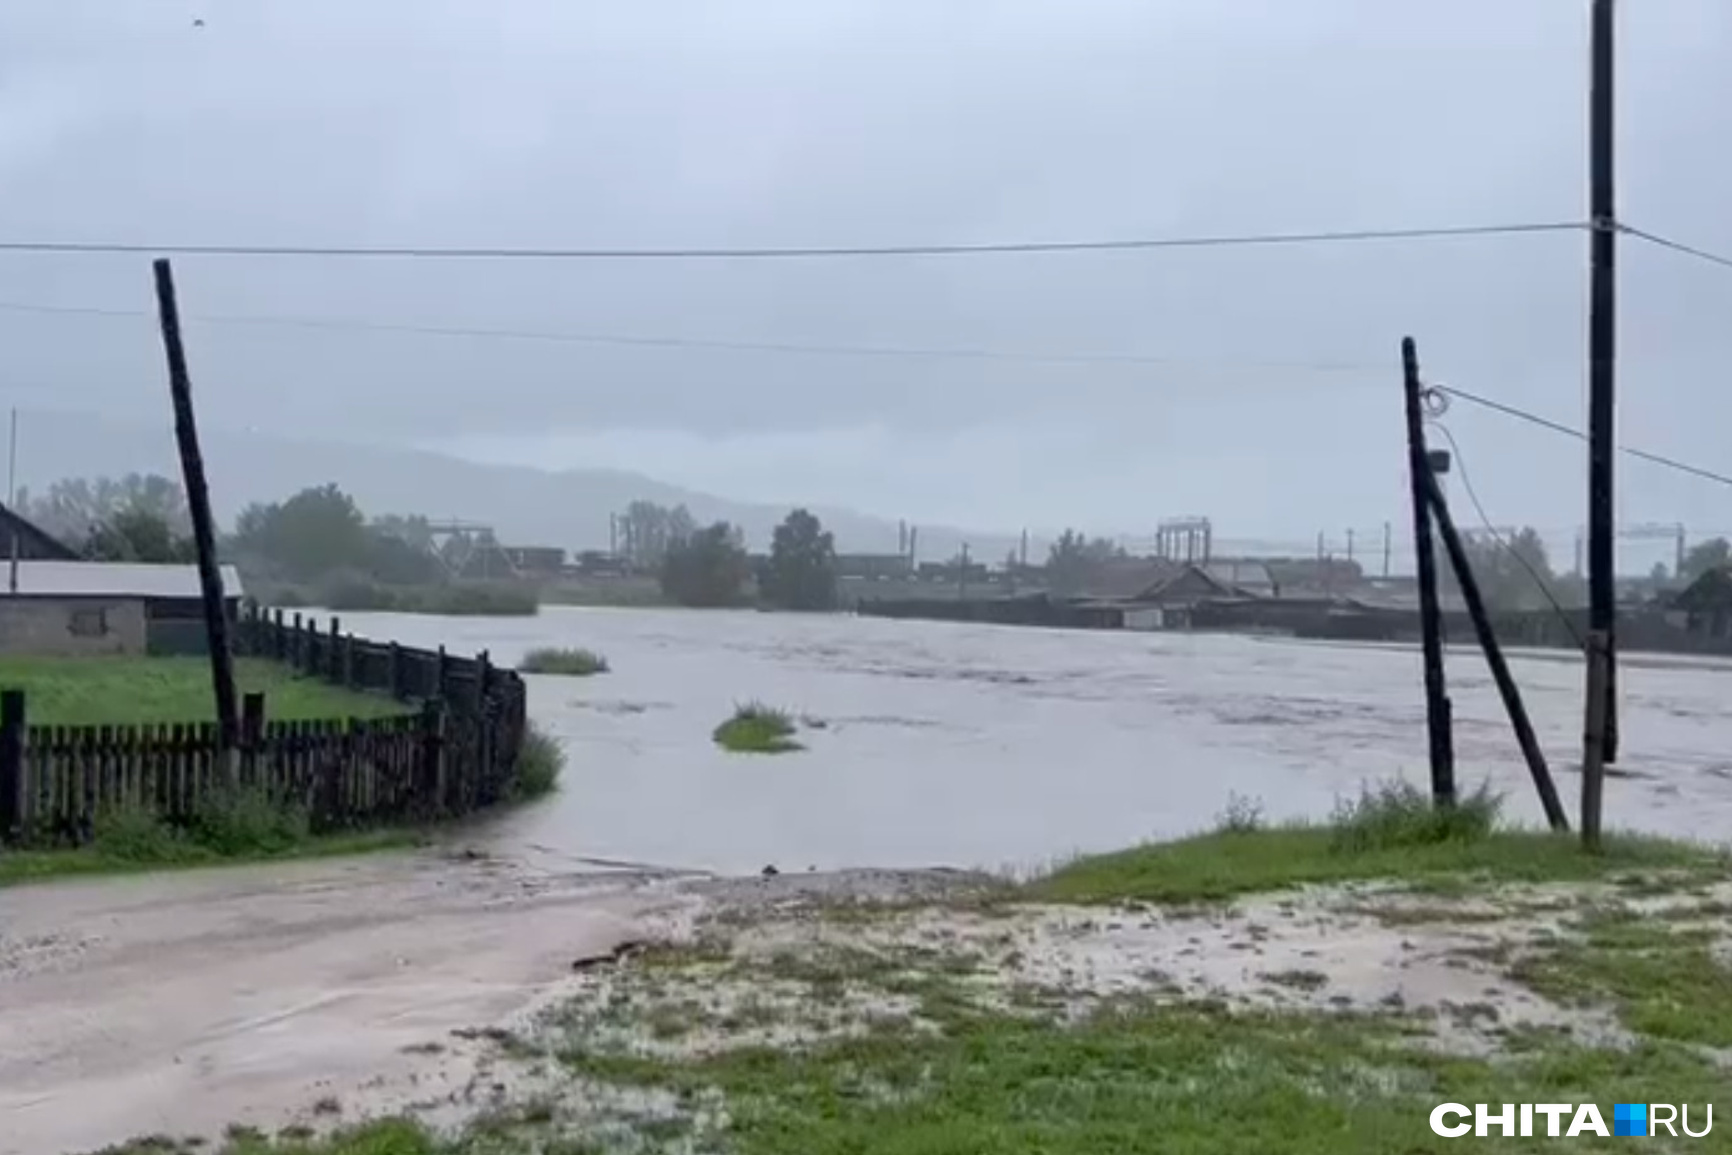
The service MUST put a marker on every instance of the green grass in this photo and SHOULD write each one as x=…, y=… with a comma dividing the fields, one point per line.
x=1662, y=980
x=1143, y=1078
x=1389, y=833
x=1136, y=1080
x=138, y=842
x=757, y=729
x=131, y=690
x=577, y=663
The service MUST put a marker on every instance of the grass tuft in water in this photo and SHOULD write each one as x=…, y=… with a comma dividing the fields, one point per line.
x=575, y=663
x=757, y=729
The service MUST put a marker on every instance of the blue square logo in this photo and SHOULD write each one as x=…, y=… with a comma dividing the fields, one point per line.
x=1629, y=1118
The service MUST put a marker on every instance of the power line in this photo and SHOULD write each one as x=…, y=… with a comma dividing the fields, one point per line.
x=1559, y=427
x=1676, y=246
x=678, y=342
x=1242, y=240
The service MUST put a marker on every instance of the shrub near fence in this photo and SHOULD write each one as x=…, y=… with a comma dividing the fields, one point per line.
x=453, y=751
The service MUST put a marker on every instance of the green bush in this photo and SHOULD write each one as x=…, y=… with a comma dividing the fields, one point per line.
x=139, y=834
x=246, y=822
x=757, y=729
x=1400, y=814
x=577, y=663
x=539, y=762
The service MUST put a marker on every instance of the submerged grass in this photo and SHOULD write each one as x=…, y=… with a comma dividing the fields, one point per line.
x=576, y=663
x=1389, y=832
x=1662, y=980
x=758, y=729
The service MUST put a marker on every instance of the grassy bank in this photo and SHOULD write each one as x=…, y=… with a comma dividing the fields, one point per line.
x=1391, y=832
x=244, y=826
x=758, y=729
x=134, y=690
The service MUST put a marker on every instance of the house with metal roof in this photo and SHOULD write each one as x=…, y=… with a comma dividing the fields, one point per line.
x=91, y=608
x=24, y=539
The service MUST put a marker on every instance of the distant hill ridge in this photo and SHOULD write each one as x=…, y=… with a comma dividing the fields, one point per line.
x=525, y=506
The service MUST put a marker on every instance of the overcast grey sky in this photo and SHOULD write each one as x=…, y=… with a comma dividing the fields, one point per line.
x=795, y=122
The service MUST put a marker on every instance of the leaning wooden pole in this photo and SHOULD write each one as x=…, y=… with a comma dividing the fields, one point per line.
x=1437, y=720
x=1506, y=686
x=222, y=667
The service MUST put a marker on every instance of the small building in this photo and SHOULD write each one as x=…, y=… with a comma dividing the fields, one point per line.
x=1149, y=593
x=535, y=560
x=27, y=541
x=91, y=608
x=874, y=566
x=1706, y=604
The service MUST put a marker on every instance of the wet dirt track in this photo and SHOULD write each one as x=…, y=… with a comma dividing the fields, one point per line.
x=981, y=746
x=182, y=1003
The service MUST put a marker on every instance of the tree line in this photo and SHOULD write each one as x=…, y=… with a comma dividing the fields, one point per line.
x=313, y=534
x=708, y=566
x=321, y=535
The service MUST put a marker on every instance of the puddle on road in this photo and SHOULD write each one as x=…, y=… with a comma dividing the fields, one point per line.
x=983, y=746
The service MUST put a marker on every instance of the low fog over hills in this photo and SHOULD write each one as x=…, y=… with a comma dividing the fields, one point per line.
x=568, y=508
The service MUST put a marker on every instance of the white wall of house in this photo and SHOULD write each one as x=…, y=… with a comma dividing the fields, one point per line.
x=72, y=627
x=1145, y=618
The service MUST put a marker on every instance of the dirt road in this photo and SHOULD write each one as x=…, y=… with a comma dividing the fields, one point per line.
x=181, y=1004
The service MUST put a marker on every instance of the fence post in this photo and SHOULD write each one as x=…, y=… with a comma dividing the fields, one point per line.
x=332, y=670
x=12, y=784
x=252, y=736
x=480, y=689
x=433, y=754
x=397, y=687
x=348, y=659
x=277, y=650
x=442, y=675
x=296, y=659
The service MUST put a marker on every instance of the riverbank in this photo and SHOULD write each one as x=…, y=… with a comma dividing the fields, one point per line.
x=926, y=1011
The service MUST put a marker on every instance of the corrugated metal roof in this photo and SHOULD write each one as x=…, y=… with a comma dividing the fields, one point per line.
x=83, y=579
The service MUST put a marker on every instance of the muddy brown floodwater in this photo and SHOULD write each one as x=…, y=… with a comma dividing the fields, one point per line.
x=984, y=746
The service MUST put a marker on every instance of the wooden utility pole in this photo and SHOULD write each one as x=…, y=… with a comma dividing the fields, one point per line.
x=1602, y=367
x=1500, y=672
x=1437, y=709
x=222, y=667
x=1593, y=731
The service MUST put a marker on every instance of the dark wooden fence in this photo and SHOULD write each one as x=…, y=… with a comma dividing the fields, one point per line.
x=452, y=751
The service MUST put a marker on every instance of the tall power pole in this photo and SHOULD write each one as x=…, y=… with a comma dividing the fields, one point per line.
x=1602, y=363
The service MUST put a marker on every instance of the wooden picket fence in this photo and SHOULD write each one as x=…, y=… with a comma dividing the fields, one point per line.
x=452, y=751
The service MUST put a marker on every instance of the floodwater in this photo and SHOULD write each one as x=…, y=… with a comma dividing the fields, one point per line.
x=984, y=746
